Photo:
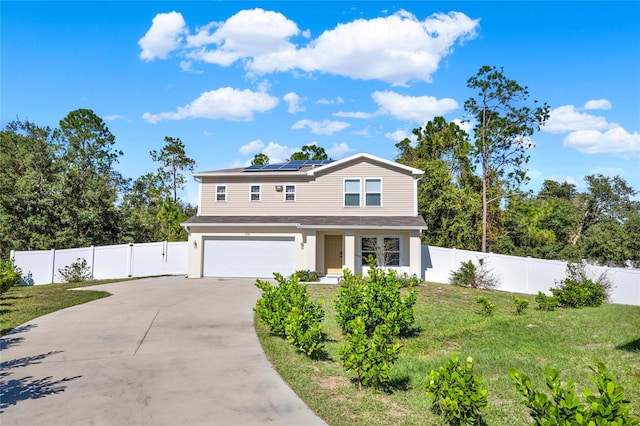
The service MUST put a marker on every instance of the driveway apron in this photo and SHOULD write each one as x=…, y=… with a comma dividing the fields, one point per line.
x=159, y=351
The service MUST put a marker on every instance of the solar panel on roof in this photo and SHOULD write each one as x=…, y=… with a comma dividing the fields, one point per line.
x=254, y=168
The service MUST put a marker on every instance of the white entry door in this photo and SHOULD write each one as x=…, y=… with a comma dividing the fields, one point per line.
x=248, y=257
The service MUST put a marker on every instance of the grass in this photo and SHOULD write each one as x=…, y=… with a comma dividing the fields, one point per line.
x=24, y=303
x=569, y=340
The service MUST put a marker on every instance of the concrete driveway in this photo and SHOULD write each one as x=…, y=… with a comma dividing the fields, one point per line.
x=159, y=351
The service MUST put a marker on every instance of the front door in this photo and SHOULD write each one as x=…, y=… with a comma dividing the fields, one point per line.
x=333, y=254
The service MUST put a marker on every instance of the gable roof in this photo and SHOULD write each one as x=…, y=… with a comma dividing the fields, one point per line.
x=311, y=170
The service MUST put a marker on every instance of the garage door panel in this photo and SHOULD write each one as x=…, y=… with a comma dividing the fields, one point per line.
x=248, y=257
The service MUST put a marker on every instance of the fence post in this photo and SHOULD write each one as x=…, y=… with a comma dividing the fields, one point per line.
x=130, y=261
x=526, y=271
x=93, y=260
x=53, y=265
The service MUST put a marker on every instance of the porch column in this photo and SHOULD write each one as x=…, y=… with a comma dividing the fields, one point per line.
x=310, y=248
x=415, y=254
x=195, y=252
x=350, y=251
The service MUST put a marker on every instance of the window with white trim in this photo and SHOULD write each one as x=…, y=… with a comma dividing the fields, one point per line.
x=373, y=192
x=386, y=250
x=352, y=192
x=255, y=193
x=289, y=192
x=221, y=193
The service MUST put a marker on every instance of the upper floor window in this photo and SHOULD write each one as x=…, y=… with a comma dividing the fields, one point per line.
x=289, y=192
x=221, y=193
x=255, y=193
x=373, y=192
x=352, y=192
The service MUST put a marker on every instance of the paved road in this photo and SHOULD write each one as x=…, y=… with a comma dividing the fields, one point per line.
x=159, y=351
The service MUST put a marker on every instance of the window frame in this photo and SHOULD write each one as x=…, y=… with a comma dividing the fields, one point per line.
x=366, y=204
x=380, y=239
x=345, y=193
x=290, y=185
x=252, y=193
x=223, y=193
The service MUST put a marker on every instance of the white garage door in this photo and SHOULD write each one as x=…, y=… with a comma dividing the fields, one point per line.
x=248, y=257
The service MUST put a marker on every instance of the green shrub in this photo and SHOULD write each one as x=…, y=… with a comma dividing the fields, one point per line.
x=373, y=299
x=546, y=303
x=486, y=307
x=520, y=305
x=457, y=394
x=289, y=313
x=308, y=275
x=564, y=407
x=10, y=275
x=370, y=358
x=579, y=290
x=409, y=281
x=470, y=275
x=77, y=272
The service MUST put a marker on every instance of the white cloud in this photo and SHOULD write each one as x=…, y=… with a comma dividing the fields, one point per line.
x=364, y=132
x=415, y=108
x=293, y=100
x=116, y=117
x=400, y=135
x=325, y=101
x=278, y=153
x=467, y=126
x=612, y=141
x=164, y=36
x=326, y=127
x=339, y=150
x=397, y=49
x=251, y=147
x=568, y=118
x=248, y=33
x=356, y=114
x=598, y=104
x=224, y=103
x=207, y=133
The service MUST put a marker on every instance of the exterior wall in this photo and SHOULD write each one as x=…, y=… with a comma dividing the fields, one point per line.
x=304, y=251
x=320, y=195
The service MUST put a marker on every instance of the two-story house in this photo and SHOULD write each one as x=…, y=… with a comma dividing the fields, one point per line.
x=310, y=215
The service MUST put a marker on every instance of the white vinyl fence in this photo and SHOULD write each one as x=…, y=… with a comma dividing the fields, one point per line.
x=118, y=261
x=525, y=274
x=517, y=274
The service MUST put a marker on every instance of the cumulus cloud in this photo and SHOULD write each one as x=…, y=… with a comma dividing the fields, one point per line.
x=325, y=101
x=612, y=141
x=326, y=127
x=415, y=108
x=251, y=147
x=396, y=49
x=278, y=153
x=356, y=114
x=116, y=117
x=400, y=135
x=225, y=103
x=598, y=104
x=294, y=101
x=467, y=126
x=339, y=150
x=592, y=134
x=164, y=36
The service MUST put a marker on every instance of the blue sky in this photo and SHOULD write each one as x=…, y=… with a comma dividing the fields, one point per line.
x=232, y=79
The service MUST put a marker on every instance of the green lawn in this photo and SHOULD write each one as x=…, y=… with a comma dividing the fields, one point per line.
x=569, y=340
x=24, y=303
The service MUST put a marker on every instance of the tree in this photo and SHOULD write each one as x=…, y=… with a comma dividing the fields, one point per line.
x=310, y=152
x=449, y=187
x=173, y=164
x=91, y=186
x=504, y=125
x=31, y=182
x=260, y=159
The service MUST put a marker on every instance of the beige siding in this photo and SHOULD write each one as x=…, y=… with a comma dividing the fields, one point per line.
x=317, y=195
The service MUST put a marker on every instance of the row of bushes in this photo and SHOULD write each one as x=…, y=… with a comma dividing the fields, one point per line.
x=457, y=394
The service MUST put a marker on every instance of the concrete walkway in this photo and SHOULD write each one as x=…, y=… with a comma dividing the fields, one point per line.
x=159, y=351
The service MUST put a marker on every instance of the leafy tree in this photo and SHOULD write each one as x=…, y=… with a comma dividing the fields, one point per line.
x=170, y=216
x=504, y=125
x=310, y=152
x=30, y=178
x=173, y=164
x=449, y=192
x=91, y=185
x=260, y=159
x=140, y=207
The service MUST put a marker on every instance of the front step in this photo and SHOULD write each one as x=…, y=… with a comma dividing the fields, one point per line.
x=330, y=279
